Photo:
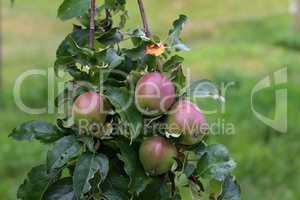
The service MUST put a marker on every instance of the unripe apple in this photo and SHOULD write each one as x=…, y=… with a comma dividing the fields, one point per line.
x=186, y=120
x=157, y=155
x=154, y=94
x=89, y=106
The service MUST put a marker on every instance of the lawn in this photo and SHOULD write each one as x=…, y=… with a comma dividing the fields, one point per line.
x=231, y=40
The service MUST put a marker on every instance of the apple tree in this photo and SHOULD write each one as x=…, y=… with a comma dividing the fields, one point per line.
x=129, y=129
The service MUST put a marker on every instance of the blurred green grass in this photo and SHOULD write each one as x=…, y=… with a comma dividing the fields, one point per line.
x=231, y=40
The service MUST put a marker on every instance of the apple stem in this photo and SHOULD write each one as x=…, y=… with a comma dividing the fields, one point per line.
x=144, y=18
x=92, y=24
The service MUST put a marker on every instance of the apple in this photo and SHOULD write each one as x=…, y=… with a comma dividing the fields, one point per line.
x=187, y=121
x=157, y=155
x=154, y=94
x=89, y=106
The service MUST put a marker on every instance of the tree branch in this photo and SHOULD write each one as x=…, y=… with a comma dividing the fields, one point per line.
x=92, y=24
x=144, y=18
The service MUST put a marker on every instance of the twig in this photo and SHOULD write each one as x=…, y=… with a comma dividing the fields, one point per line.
x=92, y=24
x=144, y=18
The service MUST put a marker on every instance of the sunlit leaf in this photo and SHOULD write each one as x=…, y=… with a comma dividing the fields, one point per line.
x=73, y=8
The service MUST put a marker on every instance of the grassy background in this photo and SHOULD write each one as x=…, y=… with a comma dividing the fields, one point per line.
x=231, y=40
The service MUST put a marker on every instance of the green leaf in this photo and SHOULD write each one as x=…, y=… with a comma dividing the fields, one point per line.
x=216, y=163
x=39, y=130
x=173, y=63
x=179, y=80
x=132, y=167
x=111, y=37
x=62, y=151
x=178, y=26
x=89, y=142
x=73, y=50
x=80, y=54
x=189, y=169
x=134, y=76
x=158, y=190
x=78, y=49
x=86, y=168
x=174, y=34
x=36, y=183
x=173, y=69
x=123, y=102
x=60, y=190
x=137, y=53
x=79, y=35
x=62, y=63
x=116, y=187
x=123, y=19
x=215, y=188
x=138, y=37
x=113, y=58
x=115, y=4
x=73, y=8
x=230, y=189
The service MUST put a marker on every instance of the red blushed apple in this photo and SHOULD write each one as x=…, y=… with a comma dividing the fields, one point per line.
x=154, y=94
x=89, y=106
x=157, y=155
x=186, y=120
